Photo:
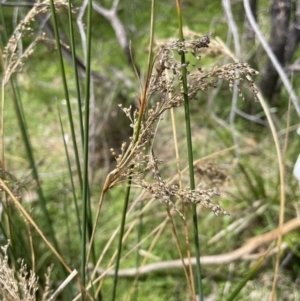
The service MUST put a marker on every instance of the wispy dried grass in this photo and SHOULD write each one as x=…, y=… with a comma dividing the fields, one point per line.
x=18, y=285
x=14, y=55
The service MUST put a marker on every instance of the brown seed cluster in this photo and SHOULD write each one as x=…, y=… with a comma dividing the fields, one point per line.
x=166, y=82
x=164, y=192
x=167, y=75
x=237, y=71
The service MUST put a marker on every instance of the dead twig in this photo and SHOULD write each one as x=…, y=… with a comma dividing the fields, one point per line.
x=240, y=253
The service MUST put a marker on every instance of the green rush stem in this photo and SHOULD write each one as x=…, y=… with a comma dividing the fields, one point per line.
x=73, y=49
x=71, y=176
x=72, y=127
x=85, y=193
x=80, y=115
x=190, y=154
x=121, y=238
x=136, y=138
x=66, y=91
x=246, y=279
x=126, y=201
x=137, y=260
x=26, y=138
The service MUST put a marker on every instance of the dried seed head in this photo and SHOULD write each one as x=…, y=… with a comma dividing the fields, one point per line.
x=166, y=81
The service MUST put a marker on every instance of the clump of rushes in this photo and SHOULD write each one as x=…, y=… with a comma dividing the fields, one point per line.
x=135, y=161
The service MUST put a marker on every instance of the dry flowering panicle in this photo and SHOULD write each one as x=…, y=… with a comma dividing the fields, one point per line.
x=14, y=54
x=23, y=287
x=166, y=82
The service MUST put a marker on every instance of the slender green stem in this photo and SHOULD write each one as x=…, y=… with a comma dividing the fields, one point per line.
x=190, y=154
x=73, y=49
x=122, y=227
x=66, y=91
x=88, y=213
x=71, y=175
x=82, y=180
x=85, y=194
x=23, y=127
x=244, y=281
x=138, y=239
x=143, y=104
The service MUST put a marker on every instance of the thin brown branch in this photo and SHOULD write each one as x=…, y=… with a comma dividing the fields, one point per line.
x=240, y=253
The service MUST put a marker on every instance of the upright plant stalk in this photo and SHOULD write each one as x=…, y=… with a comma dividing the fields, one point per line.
x=244, y=281
x=73, y=49
x=122, y=226
x=143, y=104
x=25, y=136
x=80, y=115
x=137, y=260
x=26, y=139
x=190, y=154
x=66, y=91
x=3, y=41
x=70, y=173
x=83, y=183
x=85, y=194
x=126, y=201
